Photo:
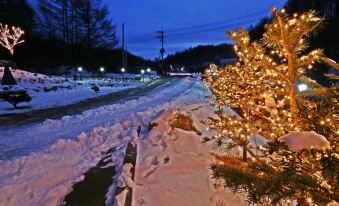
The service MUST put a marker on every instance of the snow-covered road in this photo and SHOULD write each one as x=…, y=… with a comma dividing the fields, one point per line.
x=23, y=140
x=60, y=110
x=58, y=152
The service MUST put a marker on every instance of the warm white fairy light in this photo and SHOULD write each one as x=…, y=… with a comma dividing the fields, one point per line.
x=10, y=37
x=262, y=88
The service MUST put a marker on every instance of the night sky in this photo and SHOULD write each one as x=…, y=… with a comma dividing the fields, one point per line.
x=186, y=23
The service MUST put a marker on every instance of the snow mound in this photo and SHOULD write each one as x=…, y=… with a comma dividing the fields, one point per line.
x=179, y=174
x=305, y=140
x=24, y=75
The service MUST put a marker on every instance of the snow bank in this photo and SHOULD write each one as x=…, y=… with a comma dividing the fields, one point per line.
x=305, y=140
x=173, y=165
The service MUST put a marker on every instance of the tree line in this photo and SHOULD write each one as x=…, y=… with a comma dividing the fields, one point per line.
x=85, y=22
x=65, y=32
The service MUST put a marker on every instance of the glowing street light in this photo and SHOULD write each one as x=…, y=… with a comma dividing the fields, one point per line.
x=102, y=69
x=123, y=73
x=79, y=71
x=302, y=87
x=149, y=73
x=142, y=74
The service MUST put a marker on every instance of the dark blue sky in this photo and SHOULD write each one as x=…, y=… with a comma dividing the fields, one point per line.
x=186, y=22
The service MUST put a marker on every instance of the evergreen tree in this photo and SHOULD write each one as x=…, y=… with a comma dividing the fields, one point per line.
x=82, y=22
x=8, y=78
x=48, y=17
x=98, y=27
x=262, y=88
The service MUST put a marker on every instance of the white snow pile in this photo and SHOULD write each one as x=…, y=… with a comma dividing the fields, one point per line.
x=173, y=165
x=45, y=178
x=305, y=140
x=25, y=76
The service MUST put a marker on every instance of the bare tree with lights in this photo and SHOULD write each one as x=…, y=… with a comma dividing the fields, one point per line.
x=262, y=89
x=10, y=37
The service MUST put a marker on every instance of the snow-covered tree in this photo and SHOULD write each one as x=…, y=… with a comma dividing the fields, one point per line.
x=262, y=88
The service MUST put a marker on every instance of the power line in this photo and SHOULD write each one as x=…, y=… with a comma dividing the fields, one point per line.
x=225, y=27
x=254, y=14
x=198, y=32
x=204, y=28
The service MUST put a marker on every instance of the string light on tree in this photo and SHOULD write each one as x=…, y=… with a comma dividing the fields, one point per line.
x=271, y=97
x=10, y=37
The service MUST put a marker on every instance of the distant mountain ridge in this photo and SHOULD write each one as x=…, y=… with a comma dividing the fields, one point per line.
x=327, y=8
x=200, y=56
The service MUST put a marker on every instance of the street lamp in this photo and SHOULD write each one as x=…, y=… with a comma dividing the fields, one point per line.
x=80, y=70
x=149, y=72
x=102, y=70
x=123, y=73
x=143, y=76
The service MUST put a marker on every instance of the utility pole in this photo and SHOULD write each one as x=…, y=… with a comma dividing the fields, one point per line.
x=126, y=54
x=161, y=36
x=123, y=45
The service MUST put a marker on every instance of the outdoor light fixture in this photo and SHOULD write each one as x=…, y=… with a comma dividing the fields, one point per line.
x=102, y=69
x=143, y=76
x=148, y=70
x=79, y=69
x=302, y=87
x=123, y=70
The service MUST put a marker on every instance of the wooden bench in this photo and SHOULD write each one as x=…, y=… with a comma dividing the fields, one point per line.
x=4, y=94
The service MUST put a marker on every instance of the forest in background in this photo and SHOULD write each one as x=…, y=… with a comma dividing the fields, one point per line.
x=66, y=33
x=81, y=33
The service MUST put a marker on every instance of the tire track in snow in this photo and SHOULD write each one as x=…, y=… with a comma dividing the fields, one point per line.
x=44, y=178
x=24, y=140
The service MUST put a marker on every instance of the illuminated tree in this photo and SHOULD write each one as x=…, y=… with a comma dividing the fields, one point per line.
x=10, y=37
x=262, y=89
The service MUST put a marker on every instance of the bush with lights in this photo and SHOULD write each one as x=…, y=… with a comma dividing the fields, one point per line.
x=301, y=160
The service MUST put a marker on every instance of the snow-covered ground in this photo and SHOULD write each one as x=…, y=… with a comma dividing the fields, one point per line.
x=172, y=164
x=67, y=92
x=17, y=141
x=61, y=152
